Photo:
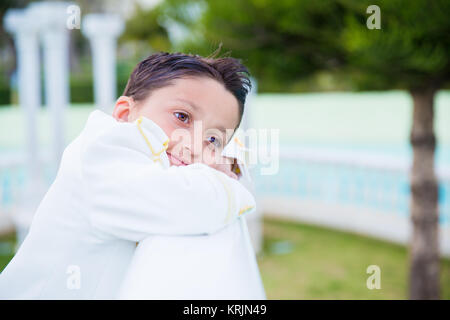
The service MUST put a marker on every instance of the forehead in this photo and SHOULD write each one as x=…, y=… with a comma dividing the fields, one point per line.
x=207, y=98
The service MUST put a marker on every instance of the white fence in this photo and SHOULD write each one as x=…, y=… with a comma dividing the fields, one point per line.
x=16, y=211
x=361, y=193
x=18, y=198
x=355, y=192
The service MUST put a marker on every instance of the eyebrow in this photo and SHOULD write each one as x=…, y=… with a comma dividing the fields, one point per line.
x=191, y=104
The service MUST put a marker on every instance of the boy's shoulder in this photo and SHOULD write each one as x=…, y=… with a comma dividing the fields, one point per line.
x=142, y=135
x=99, y=122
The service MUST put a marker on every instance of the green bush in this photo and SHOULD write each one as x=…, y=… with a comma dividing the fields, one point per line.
x=82, y=89
x=5, y=94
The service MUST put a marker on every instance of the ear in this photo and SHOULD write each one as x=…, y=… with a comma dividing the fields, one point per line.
x=122, y=109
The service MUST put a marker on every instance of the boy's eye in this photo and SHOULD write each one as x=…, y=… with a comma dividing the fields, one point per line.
x=216, y=142
x=183, y=117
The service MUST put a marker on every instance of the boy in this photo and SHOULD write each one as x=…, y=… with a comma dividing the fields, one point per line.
x=136, y=174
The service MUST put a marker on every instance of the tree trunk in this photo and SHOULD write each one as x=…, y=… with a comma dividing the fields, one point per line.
x=424, y=243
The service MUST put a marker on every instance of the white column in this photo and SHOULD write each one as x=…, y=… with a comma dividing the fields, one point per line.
x=102, y=30
x=52, y=17
x=25, y=32
x=18, y=23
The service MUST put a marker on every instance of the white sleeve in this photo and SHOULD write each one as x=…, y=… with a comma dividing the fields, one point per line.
x=132, y=197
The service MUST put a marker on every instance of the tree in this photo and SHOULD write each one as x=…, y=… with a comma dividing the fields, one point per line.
x=283, y=41
x=411, y=51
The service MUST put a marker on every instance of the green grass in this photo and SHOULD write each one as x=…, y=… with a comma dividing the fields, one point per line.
x=324, y=264
x=7, y=243
x=328, y=264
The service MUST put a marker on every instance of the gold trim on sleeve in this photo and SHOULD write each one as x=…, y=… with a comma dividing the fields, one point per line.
x=239, y=142
x=165, y=144
x=230, y=196
x=245, y=209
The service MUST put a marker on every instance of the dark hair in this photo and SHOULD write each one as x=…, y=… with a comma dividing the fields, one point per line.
x=159, y=69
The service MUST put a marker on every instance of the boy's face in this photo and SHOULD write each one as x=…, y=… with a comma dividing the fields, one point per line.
x=194, y=112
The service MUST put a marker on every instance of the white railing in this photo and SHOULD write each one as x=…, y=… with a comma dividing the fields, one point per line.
x=13, y=176
x=356, y=192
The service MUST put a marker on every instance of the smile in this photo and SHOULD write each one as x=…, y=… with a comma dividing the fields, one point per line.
x=176, y=161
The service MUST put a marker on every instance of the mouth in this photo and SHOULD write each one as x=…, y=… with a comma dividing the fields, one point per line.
x=176, y=161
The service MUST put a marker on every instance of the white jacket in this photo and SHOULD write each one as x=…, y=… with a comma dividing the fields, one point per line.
x=114, y=187
x=214, y=266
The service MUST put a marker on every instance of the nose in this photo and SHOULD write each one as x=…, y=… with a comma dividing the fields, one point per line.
x=186, y=153
x=187, y=145
x=193, y=150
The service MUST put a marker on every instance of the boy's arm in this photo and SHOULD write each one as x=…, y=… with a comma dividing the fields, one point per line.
x=132, y=196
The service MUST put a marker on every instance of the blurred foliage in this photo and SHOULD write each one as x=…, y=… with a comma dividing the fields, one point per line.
x=282, y=42
x=412, y=49
x=292, y=45
x=288, y=45
x=82, y=85
x=145, y=26
x=5, y=93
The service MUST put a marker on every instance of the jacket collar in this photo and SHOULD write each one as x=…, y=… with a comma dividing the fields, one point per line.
x=152, y=127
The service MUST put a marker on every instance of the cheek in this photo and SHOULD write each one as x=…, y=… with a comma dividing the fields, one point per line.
x=179, y=139
x=157, y=115
x=165, y=125
x=173, y=139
